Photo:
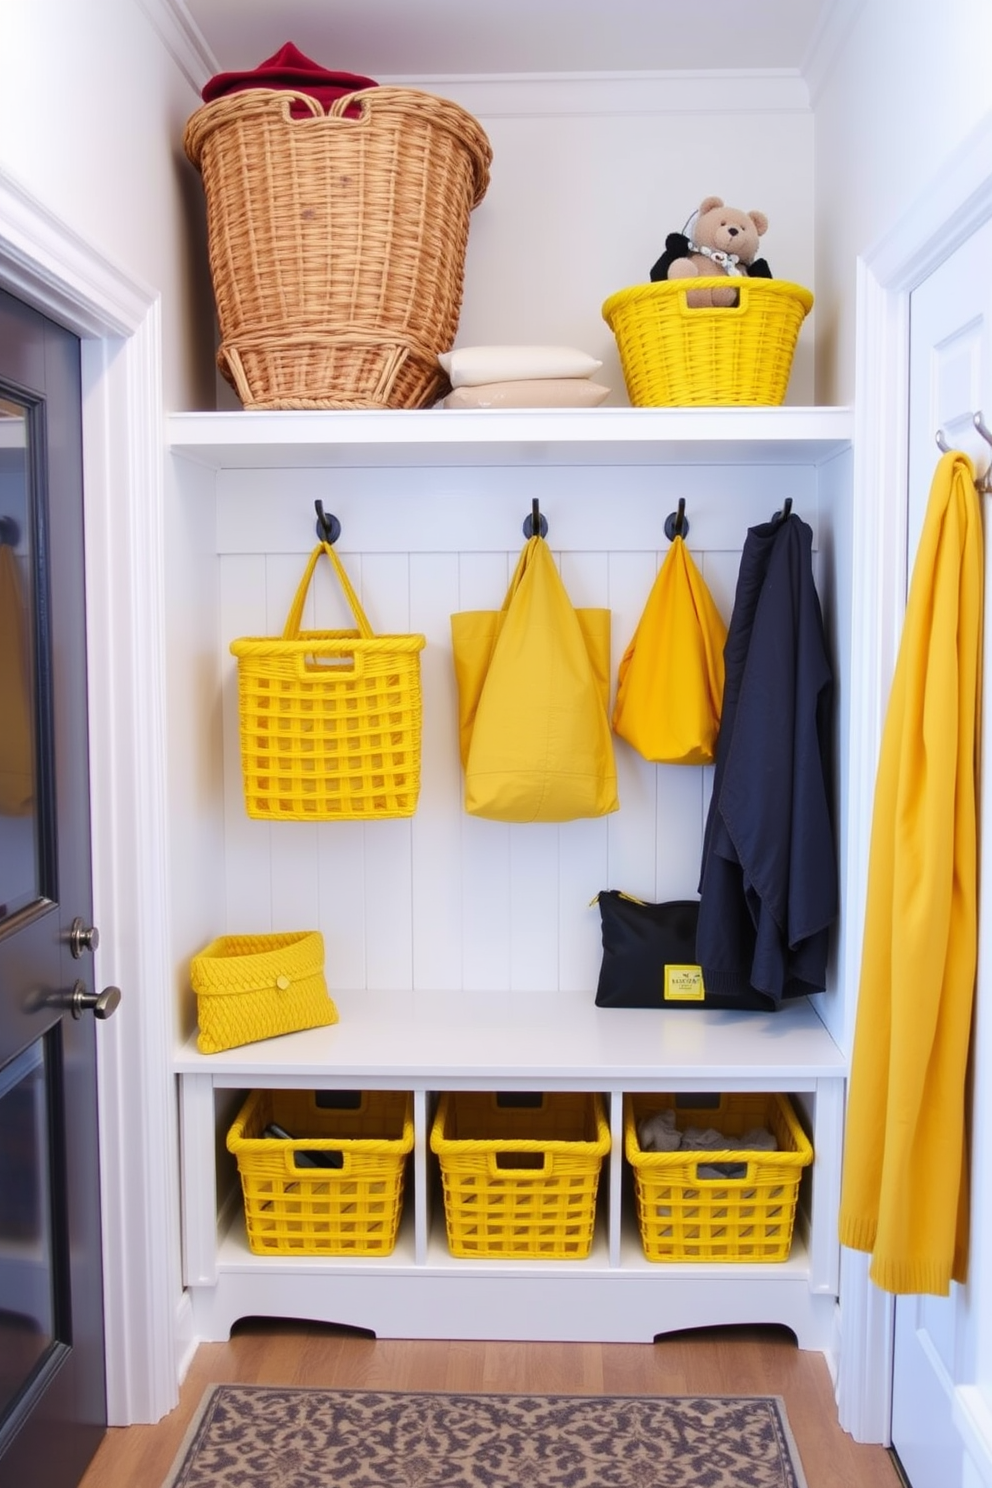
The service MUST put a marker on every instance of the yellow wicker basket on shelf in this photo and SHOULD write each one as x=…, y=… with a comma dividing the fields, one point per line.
x=337, y=244
x=675, y=354
x=686, y=1216
x=251, y=987
x=349, y=1205
x=330, y=721
x=520, y=1172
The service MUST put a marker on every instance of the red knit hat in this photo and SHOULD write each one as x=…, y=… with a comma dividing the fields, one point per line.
x=289, y=69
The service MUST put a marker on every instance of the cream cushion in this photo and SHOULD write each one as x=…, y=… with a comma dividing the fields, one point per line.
x=535, y=392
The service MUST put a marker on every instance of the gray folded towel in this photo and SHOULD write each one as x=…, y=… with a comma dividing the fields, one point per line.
x=657, y=1132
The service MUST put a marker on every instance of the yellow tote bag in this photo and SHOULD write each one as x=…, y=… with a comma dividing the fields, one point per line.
x=670, y=681
x=533, y=701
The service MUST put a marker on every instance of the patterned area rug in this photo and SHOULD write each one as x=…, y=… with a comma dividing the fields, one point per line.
x=254, y=1436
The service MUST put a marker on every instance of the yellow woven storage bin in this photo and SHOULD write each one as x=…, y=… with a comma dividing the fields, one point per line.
x=337, y=245
x=520, y=1179
x=330, y=721
x=353, y=1206
x=684, y=1217
x=674, y=354
x=251, y=987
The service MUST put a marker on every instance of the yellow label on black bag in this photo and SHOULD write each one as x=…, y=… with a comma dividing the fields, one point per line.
x=684, y=984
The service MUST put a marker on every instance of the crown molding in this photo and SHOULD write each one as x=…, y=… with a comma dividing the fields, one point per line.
x=182, y=38
x=837, y=20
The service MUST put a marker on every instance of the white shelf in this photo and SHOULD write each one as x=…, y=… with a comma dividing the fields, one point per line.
x=569, y=1301
x=428, y=1042
x=301, y=439
x=450, y=1041
x=233, y=1254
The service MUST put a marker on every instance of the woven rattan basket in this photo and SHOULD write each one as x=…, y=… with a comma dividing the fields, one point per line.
x=677, y=354
x=337, y=245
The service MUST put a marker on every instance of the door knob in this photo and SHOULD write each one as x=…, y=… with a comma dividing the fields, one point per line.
x=100, y=1004
x=82, y=937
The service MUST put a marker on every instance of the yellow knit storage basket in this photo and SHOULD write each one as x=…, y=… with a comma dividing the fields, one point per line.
x=337, y=244
x=520, y=1172
x=685, y=1217
x=675, y=354
x=353, y=1205
x=330, y=720
x=251, y=987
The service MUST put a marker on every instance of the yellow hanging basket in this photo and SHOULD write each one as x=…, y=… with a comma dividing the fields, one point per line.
x=330, y=721
x=674, y=354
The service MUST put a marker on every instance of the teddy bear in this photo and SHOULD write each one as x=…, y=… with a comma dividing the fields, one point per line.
x=719, y=240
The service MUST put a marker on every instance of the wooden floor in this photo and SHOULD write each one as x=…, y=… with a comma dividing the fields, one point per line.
x=731, y=1361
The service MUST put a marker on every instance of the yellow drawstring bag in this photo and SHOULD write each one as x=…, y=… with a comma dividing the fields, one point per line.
x=533, y=701
x=670, y=680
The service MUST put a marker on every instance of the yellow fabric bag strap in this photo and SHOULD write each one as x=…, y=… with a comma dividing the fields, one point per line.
x=291, y=629
x=527, y=553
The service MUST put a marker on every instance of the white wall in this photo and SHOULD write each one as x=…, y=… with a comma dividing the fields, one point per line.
x=92, y=108
x=590, y=175
x=444, y=902
x=903, y=87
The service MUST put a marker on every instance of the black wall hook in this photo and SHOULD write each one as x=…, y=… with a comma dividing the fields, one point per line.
x=328, y=526
x=677, y=523
x=535, y=525
x=780, y=516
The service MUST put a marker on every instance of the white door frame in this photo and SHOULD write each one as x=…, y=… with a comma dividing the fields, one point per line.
x=45, y=263
x=945, y=214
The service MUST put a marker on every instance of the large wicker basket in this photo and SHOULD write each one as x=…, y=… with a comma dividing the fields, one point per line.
x=337, y=244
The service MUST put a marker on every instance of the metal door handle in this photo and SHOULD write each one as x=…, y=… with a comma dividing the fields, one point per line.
x=100, y=1004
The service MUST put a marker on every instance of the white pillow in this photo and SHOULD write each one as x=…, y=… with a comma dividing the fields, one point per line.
x=467, y=366
x=533, y=392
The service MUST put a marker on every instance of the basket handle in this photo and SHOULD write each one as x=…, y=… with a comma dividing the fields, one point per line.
x=722, y=281
x=339, y=107
x=291, y=629
x=315, y=1170
x=723, y=1160
x=499, y=1169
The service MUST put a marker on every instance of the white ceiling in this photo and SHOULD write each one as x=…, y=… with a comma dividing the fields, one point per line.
x=402, y=39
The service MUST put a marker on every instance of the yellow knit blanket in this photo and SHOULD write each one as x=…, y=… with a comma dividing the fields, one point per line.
x=905, y=1178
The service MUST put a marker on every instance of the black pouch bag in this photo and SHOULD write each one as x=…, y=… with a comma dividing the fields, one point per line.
x=649, y=957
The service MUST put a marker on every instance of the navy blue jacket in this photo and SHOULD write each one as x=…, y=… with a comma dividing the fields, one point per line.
x=768, y=882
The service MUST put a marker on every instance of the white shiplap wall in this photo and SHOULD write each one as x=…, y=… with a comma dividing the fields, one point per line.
x=443, y=900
